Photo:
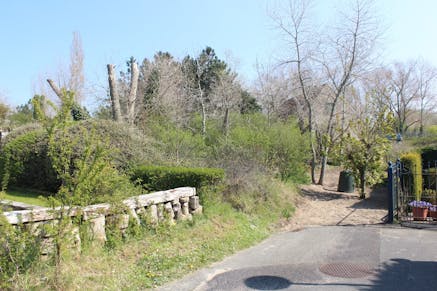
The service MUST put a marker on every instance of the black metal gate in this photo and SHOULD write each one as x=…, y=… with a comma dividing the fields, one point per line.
x=402, y=194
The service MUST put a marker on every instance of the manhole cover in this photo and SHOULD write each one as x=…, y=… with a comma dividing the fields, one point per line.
x=347, y=270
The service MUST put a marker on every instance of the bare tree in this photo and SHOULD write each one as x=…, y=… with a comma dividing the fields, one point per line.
x=55, y=88
x=163, y=90
x=426, y=77
x=295, y=28
x=272, y=89
x=76, y=82
x=113, y=93
x=72, y=80
x=346, y=57
x=325, y=68
x=226, y=95
x=128, y=98
x=132, y=97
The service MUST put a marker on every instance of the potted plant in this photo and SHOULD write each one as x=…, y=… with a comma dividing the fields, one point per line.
x=433, y=212
x=420, y=209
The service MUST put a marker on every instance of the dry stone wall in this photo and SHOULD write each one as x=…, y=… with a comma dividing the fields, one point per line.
x=169, y=206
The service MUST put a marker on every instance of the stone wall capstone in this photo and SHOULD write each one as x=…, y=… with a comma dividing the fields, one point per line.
x=170, y=205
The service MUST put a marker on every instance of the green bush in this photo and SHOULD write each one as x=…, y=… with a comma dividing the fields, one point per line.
x=24, y=161
x=19, y=251
x=156, y=178
x=413, y=162
x=275, y=146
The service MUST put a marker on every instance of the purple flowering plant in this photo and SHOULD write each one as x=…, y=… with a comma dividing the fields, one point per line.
x=420, y=204
x=433, y=208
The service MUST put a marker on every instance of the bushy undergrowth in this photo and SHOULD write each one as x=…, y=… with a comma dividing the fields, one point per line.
x=19, y=251
x=252, y=147
x=156, y=178
x=155, y=255
x=24, y=159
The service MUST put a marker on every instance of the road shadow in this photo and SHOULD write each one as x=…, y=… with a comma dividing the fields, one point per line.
x=376, y=198
x=402, y=274
x=325, y=195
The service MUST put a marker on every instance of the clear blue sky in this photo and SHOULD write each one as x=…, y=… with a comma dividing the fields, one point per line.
x=36, y=35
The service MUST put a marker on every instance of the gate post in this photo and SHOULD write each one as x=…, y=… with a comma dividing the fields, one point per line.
x=390, y=193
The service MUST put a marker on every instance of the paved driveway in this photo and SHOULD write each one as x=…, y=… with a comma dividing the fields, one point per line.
x=327, y=258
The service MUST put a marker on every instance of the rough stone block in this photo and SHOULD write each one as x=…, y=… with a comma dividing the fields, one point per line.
x=197, y=211
x=123, y=221
x=184, y=199
x=153, y=213
x=176, y=206
x=134, y=215
x=194, y=202
x=185, y=208
x=97, y=226
x=47, y=246
x=169, y=213
x=160, y=208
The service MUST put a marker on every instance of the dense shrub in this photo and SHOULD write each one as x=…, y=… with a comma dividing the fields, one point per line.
x=24, y=161
x=413, y=163
x=277, y=147
x=179, y=146
x=156, y=178
x=19, y=251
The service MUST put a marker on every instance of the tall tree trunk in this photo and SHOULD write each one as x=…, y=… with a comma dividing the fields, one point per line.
x=226, y=122
x=55, y=88
x=132, y=92
x=323, y=164
x=113, y=93
x=202, y=104
x=362, y=183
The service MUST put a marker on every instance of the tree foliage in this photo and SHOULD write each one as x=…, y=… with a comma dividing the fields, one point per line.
x=364, y=148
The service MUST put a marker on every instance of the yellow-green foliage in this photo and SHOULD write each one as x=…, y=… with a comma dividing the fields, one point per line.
x=413, y=162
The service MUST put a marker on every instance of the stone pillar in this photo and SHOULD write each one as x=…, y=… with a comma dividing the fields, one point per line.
x=160, y=208
x=153, y=214
x=194, y=202
x=169, y=214
x=176, y=209
x=97, y=226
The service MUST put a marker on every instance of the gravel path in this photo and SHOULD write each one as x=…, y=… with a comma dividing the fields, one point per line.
x=323, y=205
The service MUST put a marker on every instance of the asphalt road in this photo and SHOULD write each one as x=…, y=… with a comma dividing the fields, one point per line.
x=327, y=258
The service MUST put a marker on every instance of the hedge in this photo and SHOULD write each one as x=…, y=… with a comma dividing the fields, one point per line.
x=24, y=161
x=157, y=178
x=429, y=155
x=413, y=162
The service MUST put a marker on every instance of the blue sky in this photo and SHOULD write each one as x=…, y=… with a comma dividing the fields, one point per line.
x=36, y=35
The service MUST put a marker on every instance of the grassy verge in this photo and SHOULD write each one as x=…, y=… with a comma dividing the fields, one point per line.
x=25, y=196
x=158, y=256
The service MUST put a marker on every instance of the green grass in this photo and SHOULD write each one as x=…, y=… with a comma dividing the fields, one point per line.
x=25, y=196
x=157, y=256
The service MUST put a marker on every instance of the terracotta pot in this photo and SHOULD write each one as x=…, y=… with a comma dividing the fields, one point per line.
x=420, y=213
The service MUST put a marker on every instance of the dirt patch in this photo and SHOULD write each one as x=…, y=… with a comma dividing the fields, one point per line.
x=323, y=205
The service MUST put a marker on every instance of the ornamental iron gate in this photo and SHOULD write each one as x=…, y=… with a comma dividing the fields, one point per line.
x=402, y=193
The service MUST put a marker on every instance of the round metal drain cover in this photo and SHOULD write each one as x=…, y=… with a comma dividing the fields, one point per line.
x=347, y=270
